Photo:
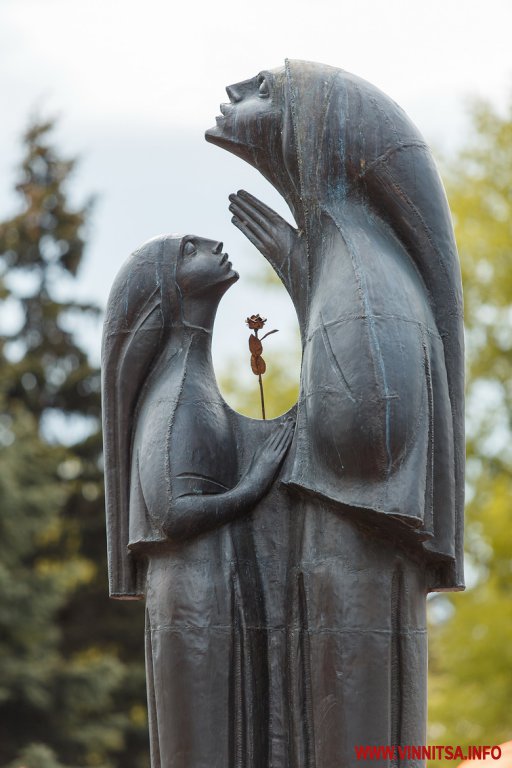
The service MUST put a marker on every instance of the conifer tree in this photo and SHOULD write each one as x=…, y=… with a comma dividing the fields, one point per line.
x=71, y=663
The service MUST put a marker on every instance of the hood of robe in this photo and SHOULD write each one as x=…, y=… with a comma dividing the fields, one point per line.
x=143, y=308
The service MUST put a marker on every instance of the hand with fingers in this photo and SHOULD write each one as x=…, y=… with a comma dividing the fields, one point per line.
x=193, y=514
x=268, y=457
x=277, y=240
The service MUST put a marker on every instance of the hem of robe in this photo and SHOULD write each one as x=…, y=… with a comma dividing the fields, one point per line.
x=442, y=565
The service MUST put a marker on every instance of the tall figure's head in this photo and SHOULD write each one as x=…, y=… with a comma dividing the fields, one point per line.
x=332, y=143
x=255, y=125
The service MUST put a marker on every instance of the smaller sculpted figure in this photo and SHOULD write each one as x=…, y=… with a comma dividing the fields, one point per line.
x=182, y=475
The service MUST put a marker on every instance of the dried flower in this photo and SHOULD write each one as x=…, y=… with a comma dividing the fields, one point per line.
x=258, y=365
x=255, y=322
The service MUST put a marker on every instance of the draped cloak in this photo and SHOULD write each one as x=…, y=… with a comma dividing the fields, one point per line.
x=169, y=433
x=379, y=297
x=141, y=311
x=146, y=358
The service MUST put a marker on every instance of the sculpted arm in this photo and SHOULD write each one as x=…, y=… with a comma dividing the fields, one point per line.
x=193, y=514
x=282, y=245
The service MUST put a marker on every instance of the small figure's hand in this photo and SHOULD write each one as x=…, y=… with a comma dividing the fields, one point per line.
x=268, y=457
x=191, y=515
x=266, y=229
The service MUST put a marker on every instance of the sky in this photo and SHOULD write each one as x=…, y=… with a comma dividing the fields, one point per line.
x=135, y=84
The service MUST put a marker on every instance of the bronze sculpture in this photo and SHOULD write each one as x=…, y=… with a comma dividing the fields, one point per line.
x=179, y=477
x=365, y=514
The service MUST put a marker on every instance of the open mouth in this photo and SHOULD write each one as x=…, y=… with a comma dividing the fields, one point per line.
x=224, y=112
x=224, y=259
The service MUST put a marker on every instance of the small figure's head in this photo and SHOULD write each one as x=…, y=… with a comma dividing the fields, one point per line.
x=203, y=268
x=166, y=275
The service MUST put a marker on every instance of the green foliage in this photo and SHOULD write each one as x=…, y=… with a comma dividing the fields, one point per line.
x=36, y=756
x=42, y=248
x=72, y=690
x=471, y=650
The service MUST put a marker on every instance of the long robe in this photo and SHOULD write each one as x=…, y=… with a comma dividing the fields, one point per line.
x=380, y=424
x=169, y=433
x=206, y=664
x=375, y=474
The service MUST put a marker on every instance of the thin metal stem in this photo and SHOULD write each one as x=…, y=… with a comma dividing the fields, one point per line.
x=261, y=394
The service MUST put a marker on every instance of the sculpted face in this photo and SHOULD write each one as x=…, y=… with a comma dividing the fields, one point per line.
x=250, y=124
x=256, y=125
x=202, y=265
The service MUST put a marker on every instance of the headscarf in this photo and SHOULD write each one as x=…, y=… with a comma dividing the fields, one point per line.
x=143, y=308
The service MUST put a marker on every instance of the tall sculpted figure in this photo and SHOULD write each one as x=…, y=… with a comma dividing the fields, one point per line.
x=374, y=482
x=182, y=476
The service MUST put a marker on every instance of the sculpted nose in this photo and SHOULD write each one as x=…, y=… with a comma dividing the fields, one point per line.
x=233, y=94
x=218, y=248
x=240, y=90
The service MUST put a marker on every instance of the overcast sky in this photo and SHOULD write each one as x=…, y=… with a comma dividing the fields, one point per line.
x=136, y=84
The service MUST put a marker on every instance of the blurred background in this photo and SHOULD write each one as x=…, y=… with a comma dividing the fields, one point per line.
x=101, y=148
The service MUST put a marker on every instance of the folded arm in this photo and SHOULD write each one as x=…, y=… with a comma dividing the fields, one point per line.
x=193, y=514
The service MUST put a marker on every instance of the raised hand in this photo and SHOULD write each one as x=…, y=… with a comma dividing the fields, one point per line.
x=277, y=240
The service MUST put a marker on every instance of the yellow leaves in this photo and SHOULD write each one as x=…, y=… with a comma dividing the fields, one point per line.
x=471, y=671
x=138, y=716
x=67, y=574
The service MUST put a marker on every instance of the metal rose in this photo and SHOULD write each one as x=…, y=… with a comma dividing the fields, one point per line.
x=256, y=322
x=258, y=365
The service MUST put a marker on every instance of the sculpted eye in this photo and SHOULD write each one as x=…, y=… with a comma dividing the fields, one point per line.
x=263, y=90
x=189, y=248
